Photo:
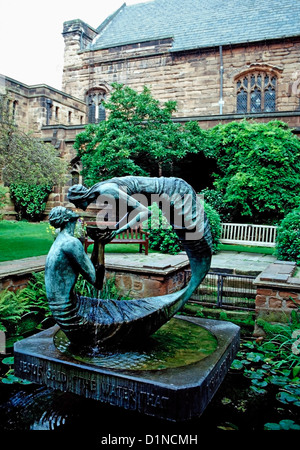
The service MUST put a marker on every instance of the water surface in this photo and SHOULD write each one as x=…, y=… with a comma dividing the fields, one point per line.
x=177, y=343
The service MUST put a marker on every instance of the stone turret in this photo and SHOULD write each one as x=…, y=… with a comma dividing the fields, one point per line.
x=77, y=35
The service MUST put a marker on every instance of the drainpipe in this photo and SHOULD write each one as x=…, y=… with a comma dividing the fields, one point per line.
x=221, y=101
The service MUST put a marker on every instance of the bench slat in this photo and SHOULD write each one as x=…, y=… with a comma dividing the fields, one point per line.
x=131, y=236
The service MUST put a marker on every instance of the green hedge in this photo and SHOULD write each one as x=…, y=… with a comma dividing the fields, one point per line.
x=164, y=239
x=288, y=238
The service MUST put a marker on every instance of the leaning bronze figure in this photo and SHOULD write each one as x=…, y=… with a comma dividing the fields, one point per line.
x=100, y=322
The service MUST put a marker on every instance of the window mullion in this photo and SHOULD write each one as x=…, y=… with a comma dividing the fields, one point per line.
x=263, y=90
x=249, y=93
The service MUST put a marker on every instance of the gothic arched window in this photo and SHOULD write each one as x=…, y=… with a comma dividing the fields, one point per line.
x=256, y=92
x=76, y=177
x=96, y=110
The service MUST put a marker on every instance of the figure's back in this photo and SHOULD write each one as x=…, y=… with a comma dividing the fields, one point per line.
x=59, y=273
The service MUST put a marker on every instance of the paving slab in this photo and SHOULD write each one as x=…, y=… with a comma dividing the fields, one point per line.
x=242, y=262
x=153, y=262
x=235, y=262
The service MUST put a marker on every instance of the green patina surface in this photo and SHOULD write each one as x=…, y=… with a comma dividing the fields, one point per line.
x=176, y=344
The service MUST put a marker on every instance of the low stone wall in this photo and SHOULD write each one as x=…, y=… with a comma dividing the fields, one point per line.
x=278, y=294
x=142, y=276
x=16, y=274
x=136, y=285
x=136, y=275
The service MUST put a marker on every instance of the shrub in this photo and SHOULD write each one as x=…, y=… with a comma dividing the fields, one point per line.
x=30, y=200
x=288, y=238
x=12, y=307
x=164, y=239
x=258, y=169
x=15, y=304
x=139, y=137
x=215, y=225
x=216, y=200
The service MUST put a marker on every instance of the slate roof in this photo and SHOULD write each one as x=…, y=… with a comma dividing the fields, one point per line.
x=200, y=23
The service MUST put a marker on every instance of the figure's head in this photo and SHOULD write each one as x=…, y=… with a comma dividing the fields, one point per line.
x=60, y=216
x=78, y=195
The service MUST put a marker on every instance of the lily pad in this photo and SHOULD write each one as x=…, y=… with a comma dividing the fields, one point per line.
x=279, y=380
x=258, y=390
x=237, y=365
x=8, y=361
x=254, y=357
x=286, y=397
x=272, y=426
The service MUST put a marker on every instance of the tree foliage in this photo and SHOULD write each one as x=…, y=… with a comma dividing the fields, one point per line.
x=30, y=161
x=3, y=199
x=259, y=169
x=29, y=199
x=29, y=166
x=288, y=237
x=138, y=135
x=163, y=238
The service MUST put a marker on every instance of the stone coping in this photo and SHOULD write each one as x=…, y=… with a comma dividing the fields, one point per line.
x=22, y=266
x=131, y=262
x=229, y=261
x=279, y=274
x=159, y=264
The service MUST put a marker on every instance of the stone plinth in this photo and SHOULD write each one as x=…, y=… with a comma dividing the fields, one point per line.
x=278, y=293
x=175, y=394
x=138, y=276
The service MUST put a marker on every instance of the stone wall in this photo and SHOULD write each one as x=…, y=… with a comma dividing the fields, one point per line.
x=41, y=105
x=136, y=285
x=16, y=274
x=53, y=116
x=135, y=275
x=278, y=294
x=192, y=78
x=139, y=276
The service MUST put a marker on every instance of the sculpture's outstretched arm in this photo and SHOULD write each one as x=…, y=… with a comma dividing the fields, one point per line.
x=140, y=212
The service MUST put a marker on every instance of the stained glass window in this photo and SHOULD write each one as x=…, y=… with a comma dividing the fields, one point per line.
x=270, y=94
x=255, y=100
x=255, y=93
x=242, y=101
x=96, y=110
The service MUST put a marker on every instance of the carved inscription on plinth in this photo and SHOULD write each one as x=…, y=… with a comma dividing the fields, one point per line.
x=122, y=393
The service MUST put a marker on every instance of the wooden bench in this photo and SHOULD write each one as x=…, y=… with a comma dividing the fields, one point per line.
x=131, y=236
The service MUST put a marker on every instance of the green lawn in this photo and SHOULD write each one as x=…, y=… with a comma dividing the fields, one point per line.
x=24, y=239
x=246, y=248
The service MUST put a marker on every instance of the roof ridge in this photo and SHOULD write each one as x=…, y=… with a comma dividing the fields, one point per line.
x=107, y=21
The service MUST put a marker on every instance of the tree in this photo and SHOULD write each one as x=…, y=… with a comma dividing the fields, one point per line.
x=258, y=169
x=3, y=199
x=29, y=167
x=138, y=138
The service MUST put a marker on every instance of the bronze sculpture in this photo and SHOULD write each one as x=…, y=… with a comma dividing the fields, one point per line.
x=107, y=322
